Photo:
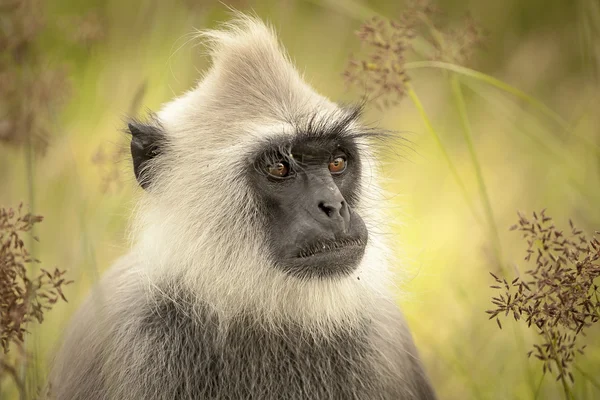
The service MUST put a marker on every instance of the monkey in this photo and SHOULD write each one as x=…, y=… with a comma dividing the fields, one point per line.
x=253, y=271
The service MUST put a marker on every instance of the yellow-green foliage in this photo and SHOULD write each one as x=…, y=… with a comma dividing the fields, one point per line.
x=524, y=136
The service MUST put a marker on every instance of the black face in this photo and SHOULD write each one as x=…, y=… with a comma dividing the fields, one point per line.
x=308, y=186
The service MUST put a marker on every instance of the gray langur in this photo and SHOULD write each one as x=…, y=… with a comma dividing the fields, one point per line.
x=252, y=274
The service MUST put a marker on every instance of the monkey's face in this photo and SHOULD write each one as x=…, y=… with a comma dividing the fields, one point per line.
x=309, y=186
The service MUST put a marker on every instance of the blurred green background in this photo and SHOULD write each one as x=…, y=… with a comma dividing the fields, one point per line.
x=88, y=65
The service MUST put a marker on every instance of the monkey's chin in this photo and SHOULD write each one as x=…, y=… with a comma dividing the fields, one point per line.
x=330, y=263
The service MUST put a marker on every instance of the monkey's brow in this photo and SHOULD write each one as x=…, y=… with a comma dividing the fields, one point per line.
x=332, y=130
x=285, y=144
x=332, y=126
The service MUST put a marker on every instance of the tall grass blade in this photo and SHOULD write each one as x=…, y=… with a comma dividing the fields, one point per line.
x=593, y=381
x=483, y=192
x=544, y=109
x=425, y=118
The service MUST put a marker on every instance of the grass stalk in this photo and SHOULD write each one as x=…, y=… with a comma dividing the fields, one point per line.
x=563, y=378
x=518, y=335
x=536, y=394
x=31, y=345
x=468, y=135
x=425, y=118
x=490, y=80
x=589, y=377
x=483, y=192
x=18, y=382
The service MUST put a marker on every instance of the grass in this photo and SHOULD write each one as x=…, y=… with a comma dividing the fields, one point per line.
x=501, y=85
x=436, y=137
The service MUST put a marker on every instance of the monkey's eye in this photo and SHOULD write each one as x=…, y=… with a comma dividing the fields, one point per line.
x=338, y=165
x=280, y=169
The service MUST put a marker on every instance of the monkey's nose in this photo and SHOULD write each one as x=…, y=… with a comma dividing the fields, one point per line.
x=331, y=209
x=337, y=214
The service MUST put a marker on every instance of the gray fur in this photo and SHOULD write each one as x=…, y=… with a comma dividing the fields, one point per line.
x=197, y=309
x=167, y=346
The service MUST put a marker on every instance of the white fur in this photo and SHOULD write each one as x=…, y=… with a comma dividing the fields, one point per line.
x=193, y=223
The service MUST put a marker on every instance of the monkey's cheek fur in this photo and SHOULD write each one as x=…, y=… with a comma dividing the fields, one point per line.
x=333, y=263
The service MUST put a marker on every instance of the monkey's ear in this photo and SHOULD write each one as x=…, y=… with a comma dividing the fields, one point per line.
x=146, y=143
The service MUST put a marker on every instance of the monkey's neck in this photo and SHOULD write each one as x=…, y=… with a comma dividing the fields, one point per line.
x=183, y=301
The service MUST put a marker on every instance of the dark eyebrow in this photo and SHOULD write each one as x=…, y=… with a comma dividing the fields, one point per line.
x=284, y=144
x=331, y=126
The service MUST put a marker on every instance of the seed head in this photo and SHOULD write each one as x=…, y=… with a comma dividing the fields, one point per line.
x=559, y=296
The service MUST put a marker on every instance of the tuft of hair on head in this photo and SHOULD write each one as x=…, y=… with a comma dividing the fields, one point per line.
x=253, y=67
x=241, y=30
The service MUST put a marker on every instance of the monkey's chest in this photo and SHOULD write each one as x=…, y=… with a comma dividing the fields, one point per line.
x=245, y=362
x=262, y=365
x=300, y=371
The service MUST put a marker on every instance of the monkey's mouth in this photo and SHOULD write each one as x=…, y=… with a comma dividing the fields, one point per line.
x=326, y=258
x=326, y=247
